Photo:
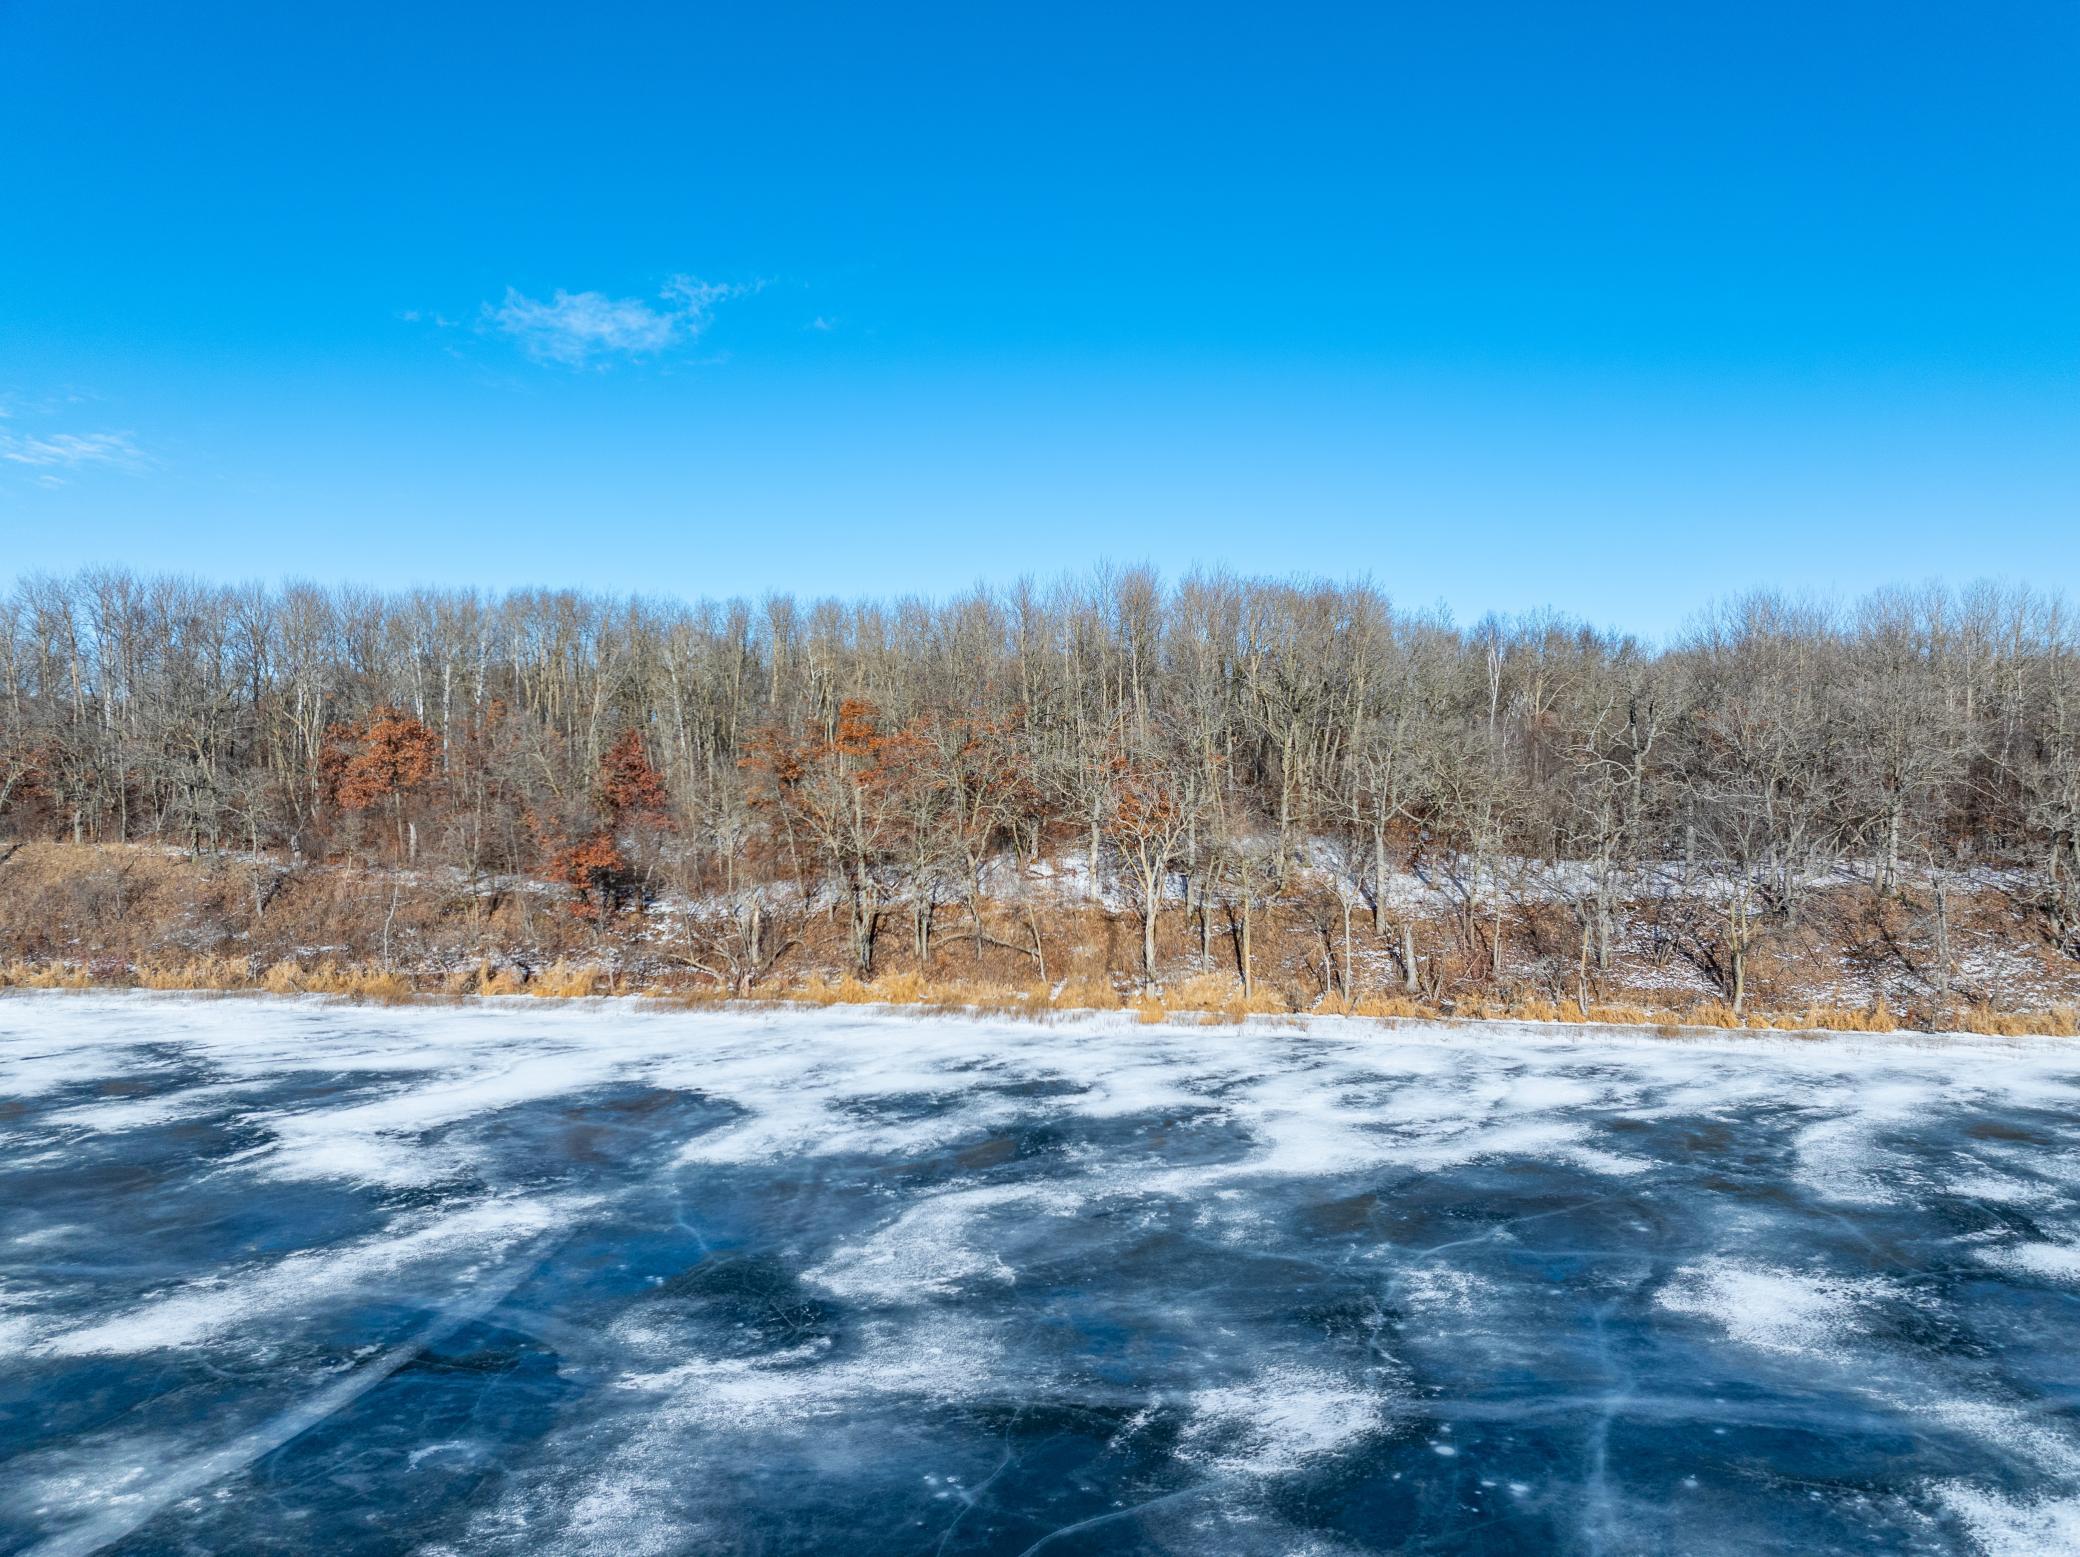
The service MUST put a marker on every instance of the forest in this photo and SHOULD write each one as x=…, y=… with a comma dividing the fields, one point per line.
x=1296, y=780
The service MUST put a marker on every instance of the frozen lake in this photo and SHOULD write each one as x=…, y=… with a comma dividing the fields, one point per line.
x=281, y=1276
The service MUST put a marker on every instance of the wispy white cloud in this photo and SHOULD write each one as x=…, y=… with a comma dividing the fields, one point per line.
x=54, y=454
x=584, y=329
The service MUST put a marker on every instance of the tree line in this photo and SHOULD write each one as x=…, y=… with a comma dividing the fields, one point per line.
x=1196, y=740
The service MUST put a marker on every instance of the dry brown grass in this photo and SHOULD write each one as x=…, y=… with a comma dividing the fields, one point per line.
x=217, y=973
x=358, y=983
x=691, y=996
x=46, y=975
x=1712, y=1013
x=1211, y=998
x=1620, y=1016
x=1390, y=1007
x=900, y=989
x=1876, y=1018
x=1085, y=992
x=984, y=997
x=910, y=988
x=502, y=981
x=818, y=990
x=2058, y=1022
x=284, y=978
x=352, y=982
x=1217, y=997
x=78, y=916
x=564, y=981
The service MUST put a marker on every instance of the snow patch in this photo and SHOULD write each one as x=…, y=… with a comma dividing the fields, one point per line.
x=1279, y=1421
x=2053, y=1261
x=1771, y=1309
x=2000, y=1526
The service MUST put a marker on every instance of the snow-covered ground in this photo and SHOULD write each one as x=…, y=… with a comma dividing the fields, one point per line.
x=287, y=1275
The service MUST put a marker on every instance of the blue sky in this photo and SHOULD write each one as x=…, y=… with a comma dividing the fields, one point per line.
x=1610, y=308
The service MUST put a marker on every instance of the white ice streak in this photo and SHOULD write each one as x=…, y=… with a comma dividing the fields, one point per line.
x=634, y=1499
x=235, y=1305
x=937, y=1359
x=928, y=1250
x=131, y=1490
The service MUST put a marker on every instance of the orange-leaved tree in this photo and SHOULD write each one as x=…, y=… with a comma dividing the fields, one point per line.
x=836, y=790
x=630, y=787
x=380, y=761
x=630, y=797
x=595, y=872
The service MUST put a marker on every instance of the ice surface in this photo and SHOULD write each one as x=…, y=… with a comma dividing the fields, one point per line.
x=514, y=1278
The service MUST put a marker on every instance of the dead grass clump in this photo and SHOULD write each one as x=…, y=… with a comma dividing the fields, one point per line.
x=1534, y=1008
x=283, y=978
x=1877, y=1018
x=326, y=978
x=702, y=994
x=1620, y=1016
x=1148, y=1008
x=383, y=986
x=500, y=981
x=1713, y=1013
x=1378, y=1005
x=1085, y=992
x=46, y=975
x=908, y=988
x=349, y=983
x=820, y=990
x=196, y=973
x=1220, y=995
x=2058, y=1022
x=563, y=981
x=815, y=990
x=982, y=997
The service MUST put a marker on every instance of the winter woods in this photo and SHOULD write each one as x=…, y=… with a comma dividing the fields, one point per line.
x=1195, y=745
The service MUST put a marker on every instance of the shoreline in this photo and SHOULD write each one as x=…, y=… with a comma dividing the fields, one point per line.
x=653, y=1002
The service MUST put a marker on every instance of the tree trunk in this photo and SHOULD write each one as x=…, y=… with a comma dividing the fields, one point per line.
x=1151, y=884
x=1942, y=947
x=1348, y=993
x=1379, y=881
x=863, y=917
x=1249, y=982
x=1737, y=938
